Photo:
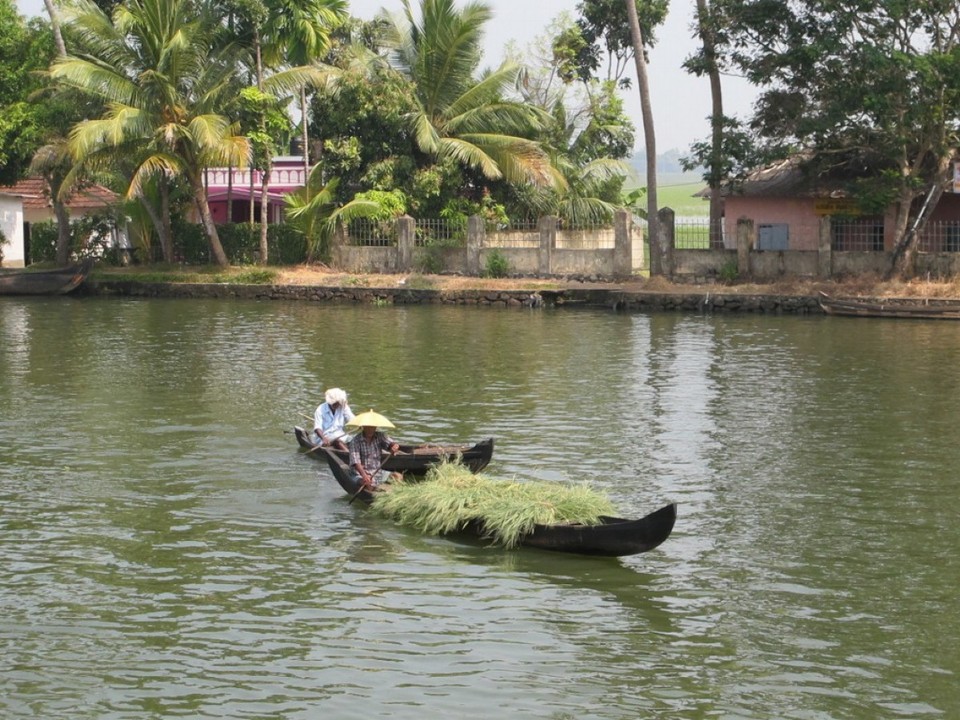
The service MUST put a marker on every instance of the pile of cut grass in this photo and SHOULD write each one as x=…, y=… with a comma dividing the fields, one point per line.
x=451, y=497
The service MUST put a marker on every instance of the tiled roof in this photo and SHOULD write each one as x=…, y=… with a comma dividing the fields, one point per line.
x=791, y=177
x=33, y=192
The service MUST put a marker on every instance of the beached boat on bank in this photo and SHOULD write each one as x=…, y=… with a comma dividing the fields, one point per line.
x=895, y=308
x=24, y=281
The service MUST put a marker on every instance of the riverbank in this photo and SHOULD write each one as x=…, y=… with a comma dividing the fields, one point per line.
x=319, y=283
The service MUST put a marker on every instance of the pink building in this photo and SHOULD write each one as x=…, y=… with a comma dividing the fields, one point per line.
x=786, y=205
x=235, y=186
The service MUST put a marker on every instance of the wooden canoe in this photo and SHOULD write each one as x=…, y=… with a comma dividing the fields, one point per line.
x=416, y=459
x=44, y=282
x=899, y=308
x=613, y=537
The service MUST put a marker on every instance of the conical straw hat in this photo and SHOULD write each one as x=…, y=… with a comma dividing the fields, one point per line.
x=370, y=419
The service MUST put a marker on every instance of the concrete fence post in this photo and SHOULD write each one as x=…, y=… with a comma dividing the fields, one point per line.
x=668, y=239
x=825, y=249
x=548, y=241
x=746, y=241
x=622, y=245
x=406, y=242
x=476, y=236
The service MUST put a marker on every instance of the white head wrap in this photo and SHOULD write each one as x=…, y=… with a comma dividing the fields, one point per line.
x=334, y=396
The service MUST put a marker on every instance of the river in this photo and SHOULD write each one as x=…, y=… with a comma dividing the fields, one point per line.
x=167, y=551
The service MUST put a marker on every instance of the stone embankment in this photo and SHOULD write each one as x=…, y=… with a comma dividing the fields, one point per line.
x=613, y=298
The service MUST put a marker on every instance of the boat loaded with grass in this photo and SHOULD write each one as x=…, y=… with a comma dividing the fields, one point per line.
x=550, y=516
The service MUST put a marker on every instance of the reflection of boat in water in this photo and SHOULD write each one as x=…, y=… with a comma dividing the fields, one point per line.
x=900, y=308
x=611, y=537
x=44, y=282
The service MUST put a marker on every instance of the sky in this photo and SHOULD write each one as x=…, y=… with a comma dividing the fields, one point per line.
x=680, y=102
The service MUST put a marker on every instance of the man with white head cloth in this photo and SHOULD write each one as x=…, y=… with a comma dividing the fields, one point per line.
x=330, y=417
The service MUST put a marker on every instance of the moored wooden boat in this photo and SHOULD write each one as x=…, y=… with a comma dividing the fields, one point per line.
x=417, y=459
x=44, y=282
x=613, y=537
x=899, y=308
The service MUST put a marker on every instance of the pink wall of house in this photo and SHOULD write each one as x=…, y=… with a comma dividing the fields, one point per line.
x=798, y=213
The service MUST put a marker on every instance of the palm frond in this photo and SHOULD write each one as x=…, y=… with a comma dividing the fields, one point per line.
x=151, y=166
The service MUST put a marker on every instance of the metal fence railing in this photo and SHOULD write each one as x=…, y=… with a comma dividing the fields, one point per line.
x=691, y=233
x=364, y=232
x=447, y=232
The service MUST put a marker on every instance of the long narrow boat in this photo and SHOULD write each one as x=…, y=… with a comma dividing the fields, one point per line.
x=613, y=537
x=44, y=282
x=416, y=459
x=899, y=308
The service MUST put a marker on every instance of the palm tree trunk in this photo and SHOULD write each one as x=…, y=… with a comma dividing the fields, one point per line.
x=705, y=28
x=161, y=223
x=305, y=136
x=206, y=218
x=264, y=211
x=267, y=160
x=230, y=192
x=653, y=223
x=55, y=26
x=63, y=231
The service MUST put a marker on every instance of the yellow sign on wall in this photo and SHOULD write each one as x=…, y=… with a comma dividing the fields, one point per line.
x=835, y=206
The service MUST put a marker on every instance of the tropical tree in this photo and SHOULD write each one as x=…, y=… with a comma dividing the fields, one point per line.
x=605, y=26
x=55, y=27
x=707, y=62
x=649, y=137
x=166, y=74
x=364, y=129
x=590, y=135
x=24, y=50
x=298, y=33
x=314, y=211
x=53, y=163
x=459, y=115
x=869, y=91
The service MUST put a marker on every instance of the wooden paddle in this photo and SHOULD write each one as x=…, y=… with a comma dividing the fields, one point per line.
x=372, y=475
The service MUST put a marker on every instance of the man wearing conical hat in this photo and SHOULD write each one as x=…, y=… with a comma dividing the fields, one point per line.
x=368, y=446
x=331, y=417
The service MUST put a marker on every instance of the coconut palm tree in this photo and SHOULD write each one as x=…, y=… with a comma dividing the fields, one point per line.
x=166, y=76
x=298, y=32
x=460, y=116
x=314, y=212
x=284, y=33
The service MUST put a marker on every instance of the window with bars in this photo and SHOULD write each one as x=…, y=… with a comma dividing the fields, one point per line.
x=863, y=234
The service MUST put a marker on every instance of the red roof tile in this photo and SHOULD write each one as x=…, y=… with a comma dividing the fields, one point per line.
x=33, y=192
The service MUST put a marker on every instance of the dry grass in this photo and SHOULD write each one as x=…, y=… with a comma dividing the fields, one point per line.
x=320, y=275
x=861, y=286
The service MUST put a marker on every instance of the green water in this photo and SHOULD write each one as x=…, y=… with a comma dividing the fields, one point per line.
x=166, y=552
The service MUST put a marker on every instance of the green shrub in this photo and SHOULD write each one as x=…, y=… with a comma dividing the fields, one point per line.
x=43, y=241
x=497, y=265
x=729, y=273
